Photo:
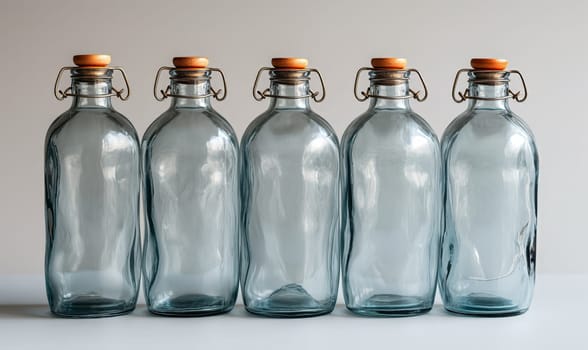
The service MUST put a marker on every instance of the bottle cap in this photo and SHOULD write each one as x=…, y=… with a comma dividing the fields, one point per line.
x=389, y=63
x=190, y=62
x=92, y=60
x=289, y=62
x=489, y=63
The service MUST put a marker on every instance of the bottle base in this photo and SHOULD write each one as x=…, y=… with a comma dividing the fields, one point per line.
x=92, y=307
x=290, y=301
x=485, y=306
x=292, y=313
x=391, y=305
x=192, y=305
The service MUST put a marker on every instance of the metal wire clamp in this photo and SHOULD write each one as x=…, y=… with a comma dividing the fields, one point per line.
x=219, y=95
x=413, y=94
x=62, y=95
x=465, y=95
x=315, y=95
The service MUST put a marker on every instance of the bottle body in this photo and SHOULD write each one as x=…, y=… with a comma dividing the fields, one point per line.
x=393, y=187
x=92, y=209
x=191, y=201
x=290, y=185
x=491, y=172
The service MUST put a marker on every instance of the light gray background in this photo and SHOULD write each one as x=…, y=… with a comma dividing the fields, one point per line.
x=545, y=40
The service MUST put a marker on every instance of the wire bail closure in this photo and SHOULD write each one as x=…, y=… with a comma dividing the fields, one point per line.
x=315, y=95
x=62, y=95
x=219, y=94
x=465, y=95
x=413, y=94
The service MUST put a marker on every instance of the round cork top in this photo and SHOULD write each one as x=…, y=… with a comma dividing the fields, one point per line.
x=190, y=62
x=489, y=63
x=389, y=63
x=91, y=60
x=289, y=62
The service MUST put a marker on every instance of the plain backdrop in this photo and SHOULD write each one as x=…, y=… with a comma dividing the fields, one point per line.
x=545, y=40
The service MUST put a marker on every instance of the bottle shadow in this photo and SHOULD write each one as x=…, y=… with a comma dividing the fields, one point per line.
x=25, y=312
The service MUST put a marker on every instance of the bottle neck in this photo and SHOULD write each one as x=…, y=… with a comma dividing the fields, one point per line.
x=190, y=90
x=488, y=89
x=91, y=93
x=379, y=101
x=295, y=96
x=494, y=94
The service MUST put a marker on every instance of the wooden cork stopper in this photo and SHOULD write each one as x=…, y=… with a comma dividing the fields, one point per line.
x=188, y=62
x=91, y=60
x=289, y=62
x=389, y=63
x=489, y=63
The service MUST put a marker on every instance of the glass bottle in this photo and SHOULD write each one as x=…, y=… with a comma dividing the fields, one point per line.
x=393, y=198
x=92, y=190
x=487, y=264
x=191, y=198
x=290, y=184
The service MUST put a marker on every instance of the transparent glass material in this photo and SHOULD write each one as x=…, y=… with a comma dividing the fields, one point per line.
x=191, y=202
x=488, y=251
x=393, y=187
x=291, y=207
x=92, y=190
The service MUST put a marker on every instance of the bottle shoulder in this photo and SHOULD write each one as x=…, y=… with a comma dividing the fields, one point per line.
x=487, y=128
x=289, y=123
x=85, y=121
x=189, y=123
x=125, y=123
x=57, y=124
x=387, y=126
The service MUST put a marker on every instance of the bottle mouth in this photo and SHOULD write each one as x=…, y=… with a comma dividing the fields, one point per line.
x=389, y=77
x=289, y=76
x=90, y=74
x=189, y=75
x=488, y=77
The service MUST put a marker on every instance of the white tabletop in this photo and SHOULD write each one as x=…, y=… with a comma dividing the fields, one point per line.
x=556, y=320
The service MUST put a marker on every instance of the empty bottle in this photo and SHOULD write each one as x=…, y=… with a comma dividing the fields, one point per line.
x=92, y=186
x=191, y=198
x=491, y=168
x=291, y=200
x=393, y=198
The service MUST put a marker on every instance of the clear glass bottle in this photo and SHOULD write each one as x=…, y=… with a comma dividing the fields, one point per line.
x=92, y=190
x=291, y=194
x=393, y=199
x=191, y=198
x=487, y=264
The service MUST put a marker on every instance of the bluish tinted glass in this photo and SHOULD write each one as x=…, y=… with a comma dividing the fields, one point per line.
x=488, y=251
x=191, y=201
x=92, y=206
x=393, y=187
x=291, y=206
